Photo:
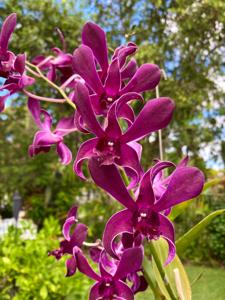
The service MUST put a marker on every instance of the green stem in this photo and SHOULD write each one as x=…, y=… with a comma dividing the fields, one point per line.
x=161, y=271
x=61, y=91
x=149, y=277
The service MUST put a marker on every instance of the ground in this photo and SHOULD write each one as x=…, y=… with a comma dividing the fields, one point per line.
x=210, y=286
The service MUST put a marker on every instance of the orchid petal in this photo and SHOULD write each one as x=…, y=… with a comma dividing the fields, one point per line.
x=95, y=254
x=71, y=265
x=146, y=197
x=155, y=115
x=35, y=110
x=94, y=37
x=132, y=255
x=8, y=27
x=146, y=78
x=118, y=224
x=2, y=101
x=129, y=70
x=109, y=179
x=95, y=101
x=167, y=232
x=137, y=147
x=67, y=226
x=129, y=160
x=45, y=138
x=85, y=152
x=64, y=153
x=185, y=184
x=157, y=168
x=113, y=79
x=84, y=266
x=19, y=64
x=79, y=235
x=72, y=212
x=123, y=52
x=126, y=113
x=183, y=162
x=84, y=65
x=123, y=291
x=113, y=128
x=84, y=107
x=94, y=292
x=35, y=149
x=65, y=126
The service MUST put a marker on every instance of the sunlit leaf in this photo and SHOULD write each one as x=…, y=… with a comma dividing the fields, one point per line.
x=162, y=251
x=183, y=242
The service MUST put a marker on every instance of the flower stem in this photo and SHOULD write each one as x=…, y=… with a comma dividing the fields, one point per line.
x=40, y=98
x=61, y=91
x=149, y=277
x=161, y=271
x=160, y=131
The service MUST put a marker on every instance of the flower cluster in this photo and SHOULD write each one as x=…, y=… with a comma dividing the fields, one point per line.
x=102, y=90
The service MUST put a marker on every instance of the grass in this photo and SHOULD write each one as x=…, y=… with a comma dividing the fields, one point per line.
x=210, y=286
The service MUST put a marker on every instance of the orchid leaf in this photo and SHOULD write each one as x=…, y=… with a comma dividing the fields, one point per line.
x=213, y=182
x=176, y=266
x=183, y=242
x=178, y=209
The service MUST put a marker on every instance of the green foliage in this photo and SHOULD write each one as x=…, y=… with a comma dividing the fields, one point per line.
x=208, y=247
x=26, y=271
x=216, y=236
x=195, y=231
x=161, y=248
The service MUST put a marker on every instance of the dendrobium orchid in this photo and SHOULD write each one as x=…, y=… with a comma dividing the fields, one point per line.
x=111, y=286
x=44, y=139
x=75, y=239
x=61, y=61
x=100, y=91
x=7, y=58
x=110, y=145
x=108, y=83
x=146, y=214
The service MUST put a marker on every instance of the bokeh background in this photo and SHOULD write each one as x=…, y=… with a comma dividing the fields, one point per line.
x=187, y=40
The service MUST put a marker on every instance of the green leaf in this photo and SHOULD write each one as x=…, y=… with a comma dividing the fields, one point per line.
x=43, y=292
x=213, y=182
x=178, y=209
x=193, y=233
x=175, y=266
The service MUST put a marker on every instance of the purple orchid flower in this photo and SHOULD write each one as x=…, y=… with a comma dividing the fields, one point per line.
x=111, y=286
x=110, y=145
x=107, y=85
x=75, y=239
x=61, y=62
x=98, y=255
x=17, y=80
x=146, y=215
x=94, y=37
x=45, y=138
x=7, y=58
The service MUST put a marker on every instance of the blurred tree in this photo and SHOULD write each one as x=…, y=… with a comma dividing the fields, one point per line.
x=39, y=180
x=186, y=39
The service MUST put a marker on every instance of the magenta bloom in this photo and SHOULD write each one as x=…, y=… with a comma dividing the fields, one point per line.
x=62, y=62
x=111, y=286
x=75, y=239
x=108, y=83
x=44, y=139
x=111, y=145
x=6, y=57
x=146, y=215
